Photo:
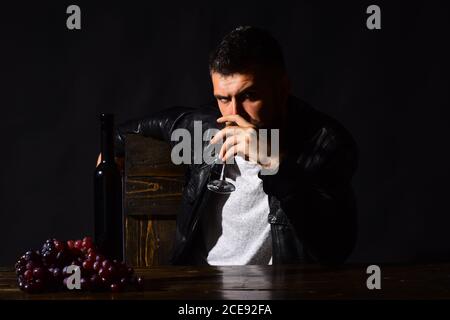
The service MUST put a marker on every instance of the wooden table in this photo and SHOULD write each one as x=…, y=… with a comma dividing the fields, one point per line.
x=266, y=282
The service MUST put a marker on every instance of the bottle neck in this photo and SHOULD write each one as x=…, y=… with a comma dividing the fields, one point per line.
x=107, y=137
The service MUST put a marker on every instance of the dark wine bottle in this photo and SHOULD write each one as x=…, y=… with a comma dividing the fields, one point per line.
x=108, y=218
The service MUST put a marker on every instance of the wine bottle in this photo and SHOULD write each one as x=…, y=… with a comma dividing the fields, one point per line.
x=108, y=217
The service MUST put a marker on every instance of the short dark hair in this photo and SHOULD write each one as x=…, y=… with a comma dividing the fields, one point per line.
x=244, y=49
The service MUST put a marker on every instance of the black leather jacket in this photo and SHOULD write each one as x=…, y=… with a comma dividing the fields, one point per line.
x=312, y=206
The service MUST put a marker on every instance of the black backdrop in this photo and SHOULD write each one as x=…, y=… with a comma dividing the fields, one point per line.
x=389, y=87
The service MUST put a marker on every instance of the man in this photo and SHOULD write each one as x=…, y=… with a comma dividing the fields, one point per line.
x=305, y=212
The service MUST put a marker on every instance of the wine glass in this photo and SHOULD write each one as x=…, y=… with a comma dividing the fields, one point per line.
x=220, y=185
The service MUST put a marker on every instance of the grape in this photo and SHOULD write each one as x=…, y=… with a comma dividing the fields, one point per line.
x=87, y=242
x=46, y=269
x=20, y=263
x=105, y=282
x=104, y=273
x=48, y=246
x=115, y=287
x=87, y=265
x=48, y=257
x=59, y=245
x=27, y=288
x=140, y=283
x=57, y=273
x=21, y=270
x=61, y=257
x=27, y=255
x=130, y=271
x=84, y=283
x=70, y=244
x=112, y=270
x=39, y=273
x=97, y=266
x=64, y=271
x=28, y=274
x=106, y=264
x=78, y=244
x=91, y=256
x=38, y=285
x=96, y=282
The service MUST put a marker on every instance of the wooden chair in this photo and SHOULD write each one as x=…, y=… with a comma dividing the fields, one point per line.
x=152, y=194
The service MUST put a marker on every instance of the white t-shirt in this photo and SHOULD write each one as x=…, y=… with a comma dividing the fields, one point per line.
x=235, y=227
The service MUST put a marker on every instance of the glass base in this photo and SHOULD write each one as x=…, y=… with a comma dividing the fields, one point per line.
x=221, y=186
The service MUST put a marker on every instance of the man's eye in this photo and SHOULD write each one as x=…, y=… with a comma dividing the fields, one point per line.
x=224, y=100
x=249, y=96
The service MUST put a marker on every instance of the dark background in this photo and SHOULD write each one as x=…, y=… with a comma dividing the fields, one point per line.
x=389, y=87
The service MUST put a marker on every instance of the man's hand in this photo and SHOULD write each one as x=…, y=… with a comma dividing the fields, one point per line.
x=243, y=139
x=99, y=159
x=120, y=162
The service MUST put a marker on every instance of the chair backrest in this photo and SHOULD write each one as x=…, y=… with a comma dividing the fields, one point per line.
x=152, y=194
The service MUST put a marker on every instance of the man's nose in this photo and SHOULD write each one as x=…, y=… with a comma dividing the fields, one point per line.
x=235, y=108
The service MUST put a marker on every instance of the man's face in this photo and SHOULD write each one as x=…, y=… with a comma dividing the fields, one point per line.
x=260, y=98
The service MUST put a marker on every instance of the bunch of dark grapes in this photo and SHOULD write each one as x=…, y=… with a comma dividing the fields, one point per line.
x=45, y=270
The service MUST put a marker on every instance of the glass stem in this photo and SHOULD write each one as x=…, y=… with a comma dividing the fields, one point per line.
x=222, y=172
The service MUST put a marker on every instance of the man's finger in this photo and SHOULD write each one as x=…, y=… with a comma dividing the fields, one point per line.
x=229, y=142
x=237, y=149
x=235, y=118
x=224, y=133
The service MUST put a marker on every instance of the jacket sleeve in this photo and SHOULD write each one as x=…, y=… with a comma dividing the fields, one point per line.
x=159, y=125
x=315, y=192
